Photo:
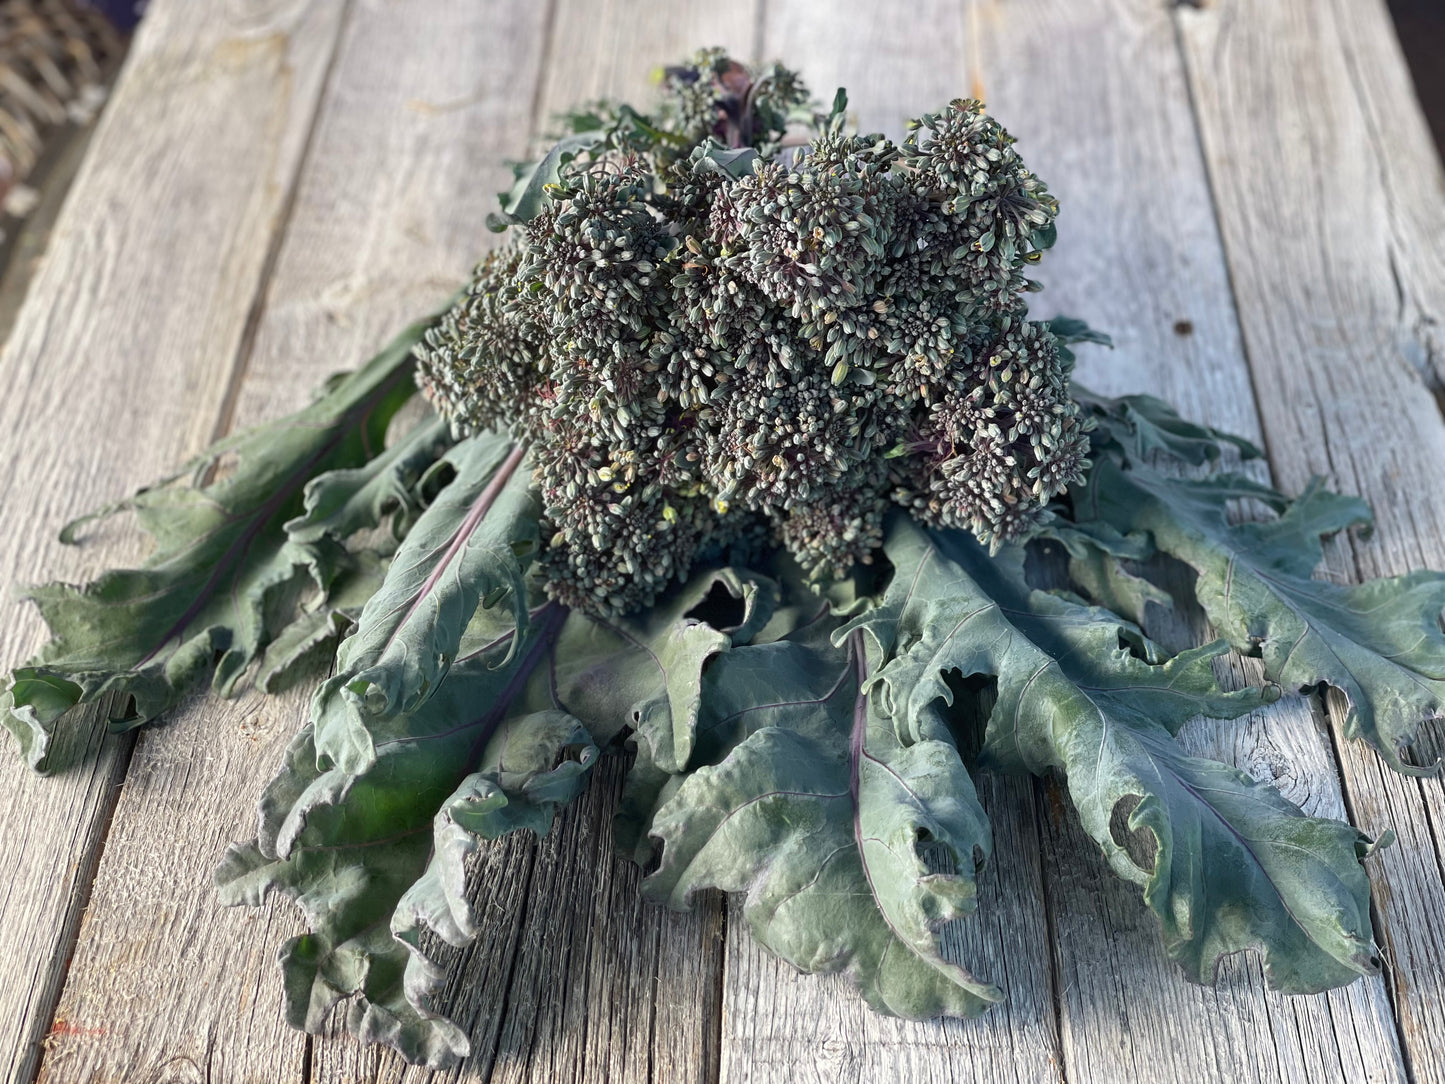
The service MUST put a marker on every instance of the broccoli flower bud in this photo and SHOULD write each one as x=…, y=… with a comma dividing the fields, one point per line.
x=705, y=341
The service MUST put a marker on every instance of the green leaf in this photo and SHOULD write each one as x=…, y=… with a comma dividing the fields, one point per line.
x=732, y=162
x=807, y=801
x=524, y=202
x=211, y=592
x=642, y=676
x=644, y=672
x=374, y=859
x=340, y=503
x=534, y=765
x=1379, y=643
x=1099, y=558
x=1070, y=330
x=319, y=627
x=1224, y=861
x=471, y=547
x=1144, y=426
x=345, y=505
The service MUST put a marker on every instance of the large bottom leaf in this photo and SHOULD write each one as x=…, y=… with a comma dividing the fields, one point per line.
x=808, y=802
x=377, y=858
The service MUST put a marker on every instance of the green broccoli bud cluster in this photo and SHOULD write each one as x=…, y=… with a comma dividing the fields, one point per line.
x=706, y=337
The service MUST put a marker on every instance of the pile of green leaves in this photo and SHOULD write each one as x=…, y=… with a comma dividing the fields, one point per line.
x=803, y=746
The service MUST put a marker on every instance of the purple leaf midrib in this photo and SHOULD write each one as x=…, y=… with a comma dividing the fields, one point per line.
x=480, y=507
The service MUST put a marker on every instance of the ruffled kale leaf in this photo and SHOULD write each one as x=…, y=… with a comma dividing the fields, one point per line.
x=470, y=548
x=804, y=796
x=376, y=858
x=375, y=852
x=225, y=576
x=384, y=490
x=1224, y=861
x=1142, y=427
x=1070, y=331
x=644, y=672
x=1105, y=565
x=1379, y=643
x=314, y=634
x=349, y=505
x=642, y=677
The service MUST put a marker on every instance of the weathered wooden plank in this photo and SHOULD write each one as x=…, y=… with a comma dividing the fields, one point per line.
x=418, y=114
x=778, y=1025
x=162, y=984
x=115, y=370
x=1140, y=256
x=1341, y=286
x=607, y=986
x=1304, y=1052
x=600, y=986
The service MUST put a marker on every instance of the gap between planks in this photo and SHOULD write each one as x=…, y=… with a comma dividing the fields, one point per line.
x=240, y=364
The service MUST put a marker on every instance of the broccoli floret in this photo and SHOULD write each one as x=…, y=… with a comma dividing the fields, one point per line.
x=701, y=332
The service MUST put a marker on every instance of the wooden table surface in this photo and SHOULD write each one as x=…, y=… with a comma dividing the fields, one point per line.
x=1251, y=205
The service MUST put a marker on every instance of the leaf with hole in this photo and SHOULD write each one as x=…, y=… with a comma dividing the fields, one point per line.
x=1231, y=863
x=1380, y=643
x=804, y=797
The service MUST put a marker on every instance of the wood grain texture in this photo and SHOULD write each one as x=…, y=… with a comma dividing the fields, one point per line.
x=164, y=985
x=1341, y=287
x=608, y=986
x=418, y=114
x=115, y=371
